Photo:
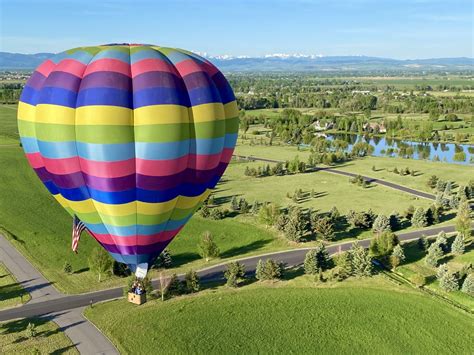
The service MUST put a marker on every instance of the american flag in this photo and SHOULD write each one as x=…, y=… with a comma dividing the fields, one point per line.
x=77, y=228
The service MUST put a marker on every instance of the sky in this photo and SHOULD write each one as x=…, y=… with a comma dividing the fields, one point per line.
x=402, y=29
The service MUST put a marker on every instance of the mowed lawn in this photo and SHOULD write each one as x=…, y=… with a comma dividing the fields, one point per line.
x=49, y=338
x=461, y=174
x=357, y=316
x=41, y=229
x=8, y=128
x=11, y=293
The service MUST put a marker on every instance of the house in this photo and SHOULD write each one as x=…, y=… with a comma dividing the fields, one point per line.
x=375, y=127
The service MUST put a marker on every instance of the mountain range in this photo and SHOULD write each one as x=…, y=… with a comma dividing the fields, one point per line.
x=286, y=63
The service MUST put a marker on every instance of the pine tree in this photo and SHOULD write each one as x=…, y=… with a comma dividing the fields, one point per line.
x=260, y=270
x=458, y=245
x=449, y=282
x=419, y=218
x=394, y=221
x=432, y=181
x=441, y=271
x=234, y=273
x=442, y=241
x=423, y=243
x=361, y=261
x=434, y=254
x=67, y=268
x=204, y=211
x=255, y=207
x=383, y=244
x=310, y=263
x=463, y=219
x=468, y=285
x=398, y=256
x=381, y=224
x=234, y=204
x=297, y=225
x=191, y=280
x=324, y=227
x=334, y=214
x=207, y=247
x=448, y=189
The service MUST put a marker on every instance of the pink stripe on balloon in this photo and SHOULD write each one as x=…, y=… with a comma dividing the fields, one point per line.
x=174, y=166
x=62, y=166
x=110, y=169
x=187, y=67
x=108, y=64
x=71, y=66
x=227, y=155
x=136, y=240
x=152, y=64
x=46, y=67
x=35, y=160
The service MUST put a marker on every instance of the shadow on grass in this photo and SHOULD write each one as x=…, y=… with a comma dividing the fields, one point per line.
x=413, y=252
x=184, y=258
x=80, y=271
x=255, y=245
x=292, y=273
x=20, y=325
x=447, y=217
x=64, y=349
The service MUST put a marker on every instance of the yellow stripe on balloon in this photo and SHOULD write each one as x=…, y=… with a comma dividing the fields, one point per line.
x=55, y=114
x=231, y=109
x=26, y=112
x=89, y=205
x=104, y=115
x=160, y=114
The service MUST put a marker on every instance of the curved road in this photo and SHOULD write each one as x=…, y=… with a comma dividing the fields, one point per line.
x=214, y=273
x=345, y=173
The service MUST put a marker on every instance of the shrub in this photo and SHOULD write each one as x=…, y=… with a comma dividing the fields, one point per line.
x=269, y=270
x=67, y=268
x=31, y=330
x=468, y=285
x=191, y=282
x=418, y=280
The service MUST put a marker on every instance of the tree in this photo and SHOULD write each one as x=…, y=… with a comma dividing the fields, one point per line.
x=361, y=261
x=449, y=282
x=441, y=271
x=383, y=244
x=442, y=241
x=234, y=204
x=165, y=259
x=468, y=285
x=394, y=220
x=419, y=218
x=325, y=228
x=164, y=281
x=463, y=220
x=234, y=274
x=204, y=211
x=268, y=214
x=334, y=214
x=120, y=269
x=397, y=257
x=191, y=280
x=67, y=268
x=458, y=245
x=31, y=330
x=310, y=263
x=207, y=247
x=423, y=243
x=434, y=254
x=100, y=262
x=381, y=224
x=297, y=225
x=432, y=181
x=344, y=264
x=269, y=270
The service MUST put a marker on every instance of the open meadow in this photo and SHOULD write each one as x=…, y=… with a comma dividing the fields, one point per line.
x=295, y=316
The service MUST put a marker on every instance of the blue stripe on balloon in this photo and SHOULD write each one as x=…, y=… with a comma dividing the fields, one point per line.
x=105, y=96
x=29, y=95
x=57, y=150
x=204, y=95
x=29, y=145
x=51, y=187
x=148, y=53
x=81, y=56
x=132, y=231
x=106, y=152
x=56, y=96
x=132, y=259
x=160, y=96
x=111, y=53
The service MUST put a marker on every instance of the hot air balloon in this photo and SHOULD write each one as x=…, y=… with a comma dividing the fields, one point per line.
x=129, y=139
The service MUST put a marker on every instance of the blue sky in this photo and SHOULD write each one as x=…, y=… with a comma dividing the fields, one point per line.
x=396, y=29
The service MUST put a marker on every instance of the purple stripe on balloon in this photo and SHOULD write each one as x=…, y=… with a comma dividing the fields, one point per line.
x=123, y=183
x=36, y=80
x=197, y=80
x=137, y=249
x=107, y=79
x=63, y=80
x=157, y=79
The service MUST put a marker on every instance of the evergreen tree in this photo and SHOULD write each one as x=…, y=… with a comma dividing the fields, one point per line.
x=297, y=225
x=191, y=280
x=344, y=263
x=207, y=247
x=67, y=268
x=260, y=270
x=244, y=206
x=448, y=189
x=310, y=263
x=394, y=221
x=440, y=185
x=234, y=273
x=361, y=261
x=441, y=271
x=204, y=211
x=432, y=181
x=383, y=244
x=449, y=282
x=268, y=214
x=381, y=224
x=468, y=285
x=397, y=257
x=434, y=254
x=458, y=245
x=234, y=204
x=255, y=207
x=463, y=219
x=442, y=241
x=334, y=214
x=324, y=227
x=419, y=218
x=423, y=243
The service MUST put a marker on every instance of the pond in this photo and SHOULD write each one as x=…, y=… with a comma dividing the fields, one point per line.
x=386, y=147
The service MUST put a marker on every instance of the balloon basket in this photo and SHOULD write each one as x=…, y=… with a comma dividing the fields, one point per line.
x=136, y=299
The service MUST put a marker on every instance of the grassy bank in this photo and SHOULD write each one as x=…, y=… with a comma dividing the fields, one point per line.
x=11, y=293
x=48, y=340
x=357, y=316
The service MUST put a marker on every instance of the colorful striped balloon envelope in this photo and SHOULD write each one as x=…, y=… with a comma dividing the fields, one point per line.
x=130, y=139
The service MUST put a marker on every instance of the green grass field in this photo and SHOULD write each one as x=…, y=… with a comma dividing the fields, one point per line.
x=461, y=174
x=49, y=339
x=11, y=293
x=8, y=128
x=356, y=316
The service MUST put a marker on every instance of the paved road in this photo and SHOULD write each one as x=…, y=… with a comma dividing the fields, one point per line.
x=214, y=273
x=345, y=173
x=85, y=336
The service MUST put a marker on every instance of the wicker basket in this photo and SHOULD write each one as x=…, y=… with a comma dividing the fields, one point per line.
x=136, y=299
